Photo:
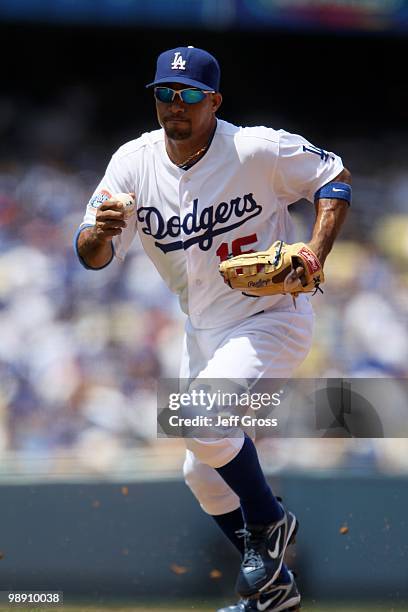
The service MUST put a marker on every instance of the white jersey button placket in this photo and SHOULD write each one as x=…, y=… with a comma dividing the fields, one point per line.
x=188, y=191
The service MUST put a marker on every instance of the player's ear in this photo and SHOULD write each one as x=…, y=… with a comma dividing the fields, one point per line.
x=216, y=101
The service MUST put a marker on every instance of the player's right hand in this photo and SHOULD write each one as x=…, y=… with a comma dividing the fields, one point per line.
x=110, y=221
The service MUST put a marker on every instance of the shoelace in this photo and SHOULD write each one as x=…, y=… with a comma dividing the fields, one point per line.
x=253, y=542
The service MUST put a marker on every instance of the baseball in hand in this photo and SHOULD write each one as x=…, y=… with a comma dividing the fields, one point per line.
x=128, y=201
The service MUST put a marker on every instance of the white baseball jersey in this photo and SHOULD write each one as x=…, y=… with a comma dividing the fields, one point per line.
x=233, y=200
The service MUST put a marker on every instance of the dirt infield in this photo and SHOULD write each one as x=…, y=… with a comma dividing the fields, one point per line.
x=307, y=607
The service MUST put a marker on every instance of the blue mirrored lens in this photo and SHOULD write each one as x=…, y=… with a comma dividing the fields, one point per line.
x=189, y=96
x=192, y=96
x=164, y=94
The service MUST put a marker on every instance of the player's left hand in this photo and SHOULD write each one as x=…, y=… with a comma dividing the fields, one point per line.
x=299, y=273
x=283, y=268
x=295, y=280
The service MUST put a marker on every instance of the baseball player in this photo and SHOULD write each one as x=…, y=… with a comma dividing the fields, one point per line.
x=206, y=190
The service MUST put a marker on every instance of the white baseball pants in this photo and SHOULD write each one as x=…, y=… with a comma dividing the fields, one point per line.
x=271, y=344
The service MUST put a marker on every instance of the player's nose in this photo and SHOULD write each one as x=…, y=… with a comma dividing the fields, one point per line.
x=177, y=105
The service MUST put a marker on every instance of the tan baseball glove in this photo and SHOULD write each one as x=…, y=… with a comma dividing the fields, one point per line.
x=283, y=268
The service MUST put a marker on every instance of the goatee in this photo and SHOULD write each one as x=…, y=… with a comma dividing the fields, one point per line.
x=177, y=133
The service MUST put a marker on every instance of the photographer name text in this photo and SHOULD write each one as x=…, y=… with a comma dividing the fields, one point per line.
x=221, y=421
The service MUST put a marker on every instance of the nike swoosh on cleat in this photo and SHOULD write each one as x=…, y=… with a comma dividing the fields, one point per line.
x=265, y=605
x=275, y=552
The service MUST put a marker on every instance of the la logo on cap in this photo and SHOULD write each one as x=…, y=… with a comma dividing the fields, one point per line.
x=196, y=68
x=178, y=62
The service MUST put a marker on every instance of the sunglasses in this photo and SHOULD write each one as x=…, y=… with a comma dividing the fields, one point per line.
x=189, y=96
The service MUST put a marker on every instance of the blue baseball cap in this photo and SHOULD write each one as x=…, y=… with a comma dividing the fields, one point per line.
x=189, y=66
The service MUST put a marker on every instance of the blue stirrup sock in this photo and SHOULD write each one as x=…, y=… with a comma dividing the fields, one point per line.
x=230, y=523
x=245, y=477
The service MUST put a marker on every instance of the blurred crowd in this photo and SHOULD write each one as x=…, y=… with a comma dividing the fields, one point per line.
x=81, y=351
